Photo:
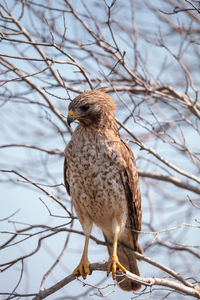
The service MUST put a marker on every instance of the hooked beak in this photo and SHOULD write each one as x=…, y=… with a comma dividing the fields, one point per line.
x=70, y=120
x=70, y=117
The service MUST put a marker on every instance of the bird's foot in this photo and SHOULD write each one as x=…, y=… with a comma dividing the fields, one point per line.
x=83, y=268
x=113, y=265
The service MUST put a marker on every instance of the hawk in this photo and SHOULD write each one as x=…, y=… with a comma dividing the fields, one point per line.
x=101, y=177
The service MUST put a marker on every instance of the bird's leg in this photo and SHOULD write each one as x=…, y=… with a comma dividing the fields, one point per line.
x=83, y=268
x=113, y=263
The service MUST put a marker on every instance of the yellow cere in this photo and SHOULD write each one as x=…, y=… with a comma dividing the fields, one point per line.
x=71, y=113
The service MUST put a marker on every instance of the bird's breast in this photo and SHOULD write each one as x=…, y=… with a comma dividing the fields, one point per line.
x=95, y=161
x=96, y=184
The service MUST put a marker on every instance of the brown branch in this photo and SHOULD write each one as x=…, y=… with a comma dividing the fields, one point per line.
x=57, y=260
x=171, y=179
x=99, y=242
x=40, y=188
x=193, y=291
x=38, y=49
x=154, y=153
x=35, y=87
x=56, y=151
x=102, y=43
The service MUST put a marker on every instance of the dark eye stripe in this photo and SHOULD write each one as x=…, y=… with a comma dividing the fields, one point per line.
x=84, y=107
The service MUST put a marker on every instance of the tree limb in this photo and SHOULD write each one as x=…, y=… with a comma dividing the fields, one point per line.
x=148, y=281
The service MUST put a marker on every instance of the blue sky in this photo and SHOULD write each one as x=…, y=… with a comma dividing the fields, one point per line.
x=24, y=122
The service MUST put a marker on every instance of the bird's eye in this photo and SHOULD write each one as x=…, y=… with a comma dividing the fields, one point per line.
x=84, y=107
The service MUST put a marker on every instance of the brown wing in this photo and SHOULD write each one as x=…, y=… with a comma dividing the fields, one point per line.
x=65, y=176
x=131, y=185
x=129, y=237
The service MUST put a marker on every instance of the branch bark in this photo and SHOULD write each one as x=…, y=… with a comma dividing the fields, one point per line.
x=193, y=291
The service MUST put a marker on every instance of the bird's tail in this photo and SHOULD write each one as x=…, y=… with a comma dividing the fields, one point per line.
x=128, y=260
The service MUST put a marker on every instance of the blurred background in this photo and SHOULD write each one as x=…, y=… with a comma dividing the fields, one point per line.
x=147, y=55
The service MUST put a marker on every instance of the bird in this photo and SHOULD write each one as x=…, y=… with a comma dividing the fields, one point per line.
x=101, y=177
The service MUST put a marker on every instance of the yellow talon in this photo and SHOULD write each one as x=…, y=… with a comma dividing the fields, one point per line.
x=83, y=268
x=113, y=265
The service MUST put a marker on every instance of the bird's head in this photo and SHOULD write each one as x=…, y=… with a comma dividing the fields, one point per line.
x=91, y=107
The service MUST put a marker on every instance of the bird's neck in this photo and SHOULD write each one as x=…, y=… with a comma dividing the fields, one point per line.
x=106, y=129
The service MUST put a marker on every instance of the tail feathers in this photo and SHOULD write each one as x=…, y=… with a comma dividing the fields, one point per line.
x=128, y=260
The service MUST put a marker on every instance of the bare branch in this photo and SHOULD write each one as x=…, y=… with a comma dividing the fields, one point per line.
x=193, y=291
